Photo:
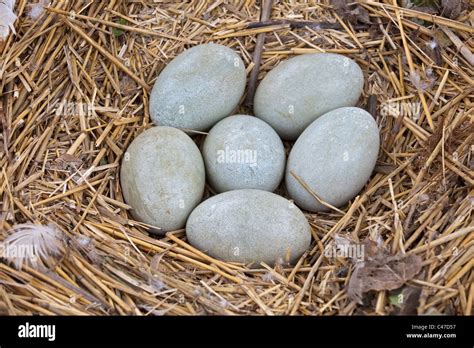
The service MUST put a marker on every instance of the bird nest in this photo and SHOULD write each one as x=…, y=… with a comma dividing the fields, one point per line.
x=75, y=82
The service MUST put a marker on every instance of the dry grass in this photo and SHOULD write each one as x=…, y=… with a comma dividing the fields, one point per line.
x=62, y=167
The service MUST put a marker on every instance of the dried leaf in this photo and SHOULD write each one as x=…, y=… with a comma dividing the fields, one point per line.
x=371, y=249
x=374, y=31
x=382, y=273
x=407, y=300
x=421, y=3
x=411, y=300
x=351, y=11
x=441, y=38
x=451, y=8
x=67, y=161
x=127, y=85
x=385, y=169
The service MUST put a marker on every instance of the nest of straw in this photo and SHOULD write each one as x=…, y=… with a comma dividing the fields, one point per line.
x=60, y=160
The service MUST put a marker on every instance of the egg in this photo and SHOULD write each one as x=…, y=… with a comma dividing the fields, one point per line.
x=301, y=89
x=198, y=88
x=162, y=178
x=249, y=226
x=334, y=157
x=243, y=152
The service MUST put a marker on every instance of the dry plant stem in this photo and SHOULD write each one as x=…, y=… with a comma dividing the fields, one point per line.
x=412, y=68
x=118, y=25
x=312, y=193
x=420, y=15
x=107, y=54
x=301, y=24
x=419, y=199
x=306, y=284
x=459, y=45
x=257, y=54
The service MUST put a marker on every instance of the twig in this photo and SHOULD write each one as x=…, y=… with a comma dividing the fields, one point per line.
x=257, y=54
x=293, y=24
x=107, y=54
x=459, y=44
x=119, y=26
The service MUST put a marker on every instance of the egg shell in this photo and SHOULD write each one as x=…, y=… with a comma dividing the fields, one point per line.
x=301, y=89
x=162, y=178
x=249, y=226
x=243, y=152
x=335, y=157
x=198, y=87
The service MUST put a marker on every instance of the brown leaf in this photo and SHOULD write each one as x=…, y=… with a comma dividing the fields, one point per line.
x=371, y=249
x=127, y=85
x=67, y=161
x=351, y=11
x=385, y=169
x=361, y=15
x=452, y=8
x=426, y=9
x=411, y=300
x=382, y=273
x=441, y=38
x=374, y=31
